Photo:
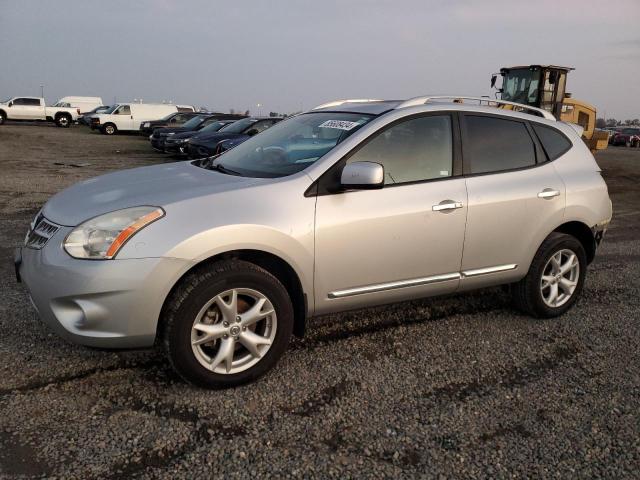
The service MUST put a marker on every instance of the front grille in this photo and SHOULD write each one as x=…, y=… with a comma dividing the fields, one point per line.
x=40, y=234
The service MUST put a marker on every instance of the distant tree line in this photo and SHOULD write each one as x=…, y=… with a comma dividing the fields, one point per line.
x=612, y=122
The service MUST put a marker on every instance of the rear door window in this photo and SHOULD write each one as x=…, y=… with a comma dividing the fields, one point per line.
x=493, y=144
x=553, y=142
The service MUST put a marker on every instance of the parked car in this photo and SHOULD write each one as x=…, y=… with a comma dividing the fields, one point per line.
x=196, y=124
x=627, y=136
x=205, y=144
x=85, y=119
x=82, y=104
x=174, y=119
x=34, y=108
x=350, y=205
x=177, y=144
x=126, y=117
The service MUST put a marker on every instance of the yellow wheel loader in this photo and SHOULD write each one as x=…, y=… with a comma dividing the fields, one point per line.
x=544, y=86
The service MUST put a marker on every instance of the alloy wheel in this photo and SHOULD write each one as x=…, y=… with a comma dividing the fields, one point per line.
x=233, y=331
x=560, y=278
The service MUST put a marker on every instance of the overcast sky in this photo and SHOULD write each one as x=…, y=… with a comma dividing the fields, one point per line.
x=288, y=54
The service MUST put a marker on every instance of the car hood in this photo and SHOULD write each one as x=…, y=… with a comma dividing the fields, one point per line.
x=184, y=134
x=214, y=138
x=157, y=185
x=167, y=130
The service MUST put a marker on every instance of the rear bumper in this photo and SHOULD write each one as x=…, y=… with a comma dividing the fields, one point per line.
x=107, y=304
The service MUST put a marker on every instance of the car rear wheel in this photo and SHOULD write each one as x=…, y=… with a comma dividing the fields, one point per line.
x=109, y=129
x=555, y=278
x=63, y=120
x=227, y=324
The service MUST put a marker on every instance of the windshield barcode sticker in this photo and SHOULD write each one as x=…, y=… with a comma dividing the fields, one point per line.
x=339, y=124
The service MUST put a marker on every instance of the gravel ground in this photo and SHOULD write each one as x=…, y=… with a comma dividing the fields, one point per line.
x=451, y=387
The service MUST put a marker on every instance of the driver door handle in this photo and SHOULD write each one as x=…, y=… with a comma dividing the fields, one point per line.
x=548, y=193
x=446, y=205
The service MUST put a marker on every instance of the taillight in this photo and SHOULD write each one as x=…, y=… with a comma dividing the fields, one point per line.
x=78, y=110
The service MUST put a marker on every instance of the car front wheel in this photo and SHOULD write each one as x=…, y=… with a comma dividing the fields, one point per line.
x=555, y=278
x=227, y=324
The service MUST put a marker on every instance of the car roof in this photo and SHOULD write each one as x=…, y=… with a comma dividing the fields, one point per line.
x=369, y=108
x=435, y=103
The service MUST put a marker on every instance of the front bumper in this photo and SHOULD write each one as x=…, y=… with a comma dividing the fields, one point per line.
x=176, y=148
x=158, y=144
x=196, y=151
x=106, y=304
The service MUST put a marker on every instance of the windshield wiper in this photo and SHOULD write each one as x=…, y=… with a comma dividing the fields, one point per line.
x=221, y=168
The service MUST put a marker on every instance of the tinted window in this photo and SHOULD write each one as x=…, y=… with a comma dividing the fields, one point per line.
x=26, y=101
x=553, y=142
x=413, y=150
x=493, y=144
x=180, y=118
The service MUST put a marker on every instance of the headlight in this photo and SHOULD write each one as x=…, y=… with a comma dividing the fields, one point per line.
x=146, y=125
x=103, y=236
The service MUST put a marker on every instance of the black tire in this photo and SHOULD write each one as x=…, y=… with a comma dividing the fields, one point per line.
x=526, y=294
x=63, y=120
x=109, y=129
x=3, y=118
x=193, y=293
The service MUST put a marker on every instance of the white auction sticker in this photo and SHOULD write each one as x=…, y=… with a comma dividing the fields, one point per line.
x=339, y=124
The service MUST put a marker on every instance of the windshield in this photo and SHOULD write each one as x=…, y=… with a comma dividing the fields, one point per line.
x=6, y=100
x=239, y=126
x=168, y=117
x=521, y=86
x=194, y=122
x=215, y=126
x=110, y=109
x=291, y=145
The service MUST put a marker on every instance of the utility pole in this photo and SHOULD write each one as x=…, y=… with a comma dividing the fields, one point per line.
x=42, y=91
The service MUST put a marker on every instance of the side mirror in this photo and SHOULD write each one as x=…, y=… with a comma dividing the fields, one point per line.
x=252, y=132
x=362, y=176
x=494, y=77
x=11, y=104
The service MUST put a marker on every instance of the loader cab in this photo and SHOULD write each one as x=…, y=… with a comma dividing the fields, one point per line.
x=541, y=86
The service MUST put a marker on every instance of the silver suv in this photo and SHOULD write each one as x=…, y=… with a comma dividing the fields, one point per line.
x=352, y=204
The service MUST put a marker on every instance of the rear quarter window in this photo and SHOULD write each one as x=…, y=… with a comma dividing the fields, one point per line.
x=554, y=143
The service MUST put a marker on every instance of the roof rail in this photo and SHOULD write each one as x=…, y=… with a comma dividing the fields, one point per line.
x=335, y=103
x=412, y=102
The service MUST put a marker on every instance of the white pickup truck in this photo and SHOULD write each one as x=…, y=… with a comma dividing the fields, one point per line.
x=34, y=108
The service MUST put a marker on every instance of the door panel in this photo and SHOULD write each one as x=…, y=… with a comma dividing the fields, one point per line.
x=372, y=238
x=507, y=221
x=515, y=199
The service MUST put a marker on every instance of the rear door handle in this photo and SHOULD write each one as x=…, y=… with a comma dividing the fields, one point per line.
x=548, y=193
x=446, y=205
